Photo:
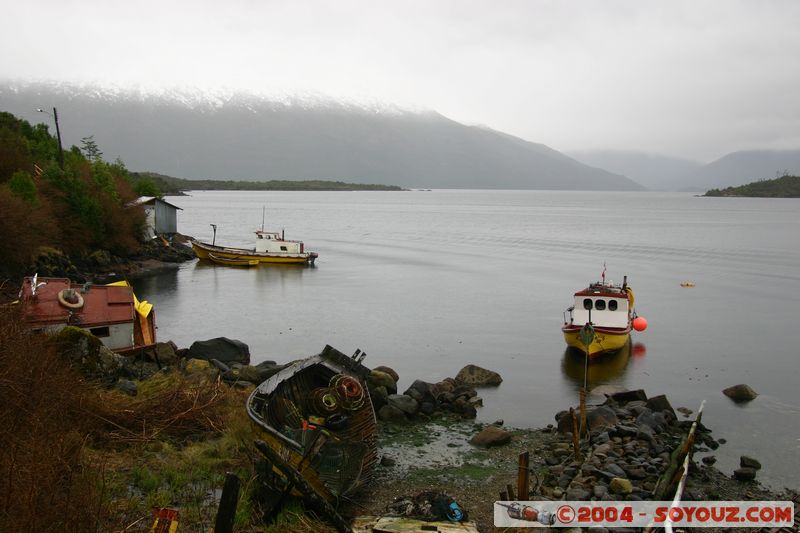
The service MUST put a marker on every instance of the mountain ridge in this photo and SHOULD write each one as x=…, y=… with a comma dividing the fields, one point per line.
x=659, y=172
x=247, y=137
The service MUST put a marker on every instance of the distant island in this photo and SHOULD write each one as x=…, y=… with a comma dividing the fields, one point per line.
x=175, y=186
x=784, y=187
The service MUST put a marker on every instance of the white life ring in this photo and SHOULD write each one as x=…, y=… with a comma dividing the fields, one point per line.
x=62, y=299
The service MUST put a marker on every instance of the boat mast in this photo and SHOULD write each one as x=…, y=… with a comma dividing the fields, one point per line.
x=263, y=210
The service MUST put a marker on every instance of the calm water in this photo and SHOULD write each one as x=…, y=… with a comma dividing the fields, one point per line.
x=428, y=281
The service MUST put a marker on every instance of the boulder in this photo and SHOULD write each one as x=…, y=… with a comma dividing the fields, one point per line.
x=749, y=462
x=164, y=353
x=250, y=374
x=219, y=365
x=660, y=403
x=88, y=354
x=620, y=485
x=137, y=368
x=376, y=378
x=99, y=258
x=194, y=366
x=389, y=413
x=614, y=470
x=478, y=377
x=629, y=396
x=422, y=391
x=600, y=417
x=379, y=396
x=491, y=436
x=446, y=385
x=577, y=494
x=221, y=348
x=744, y=474
x=740, y=393
x=387, y=370
x=653, y=420
x=406, y=404
x=127, y=386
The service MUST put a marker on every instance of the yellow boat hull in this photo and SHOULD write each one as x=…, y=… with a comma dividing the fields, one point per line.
x=604, y=341
x=204, y=251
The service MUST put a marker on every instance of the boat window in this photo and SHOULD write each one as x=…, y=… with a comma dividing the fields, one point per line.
x=600, y=305
x=283, y=248
x=100, y=332
x=260, y=236
x=587, y=303
x=612, y=305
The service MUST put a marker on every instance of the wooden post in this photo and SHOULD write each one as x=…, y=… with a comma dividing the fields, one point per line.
x=523, y=478
x=504, y=496
x=227, y=504
x=575, y=439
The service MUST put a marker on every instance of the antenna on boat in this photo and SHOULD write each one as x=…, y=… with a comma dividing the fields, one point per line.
x=603, y=275
x=263, y=211
x=214, y=240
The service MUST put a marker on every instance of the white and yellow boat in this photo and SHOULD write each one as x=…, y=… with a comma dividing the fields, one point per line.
x=271, y=247
x=608, y=308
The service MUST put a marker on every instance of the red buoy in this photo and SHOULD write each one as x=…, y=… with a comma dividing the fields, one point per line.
x=640, y=323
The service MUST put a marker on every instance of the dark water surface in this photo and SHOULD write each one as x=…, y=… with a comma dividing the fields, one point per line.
x=428, y=281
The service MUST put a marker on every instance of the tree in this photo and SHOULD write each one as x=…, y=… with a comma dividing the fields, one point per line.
x=90, y=149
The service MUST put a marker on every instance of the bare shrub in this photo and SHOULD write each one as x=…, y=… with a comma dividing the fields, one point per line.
x=45, y=485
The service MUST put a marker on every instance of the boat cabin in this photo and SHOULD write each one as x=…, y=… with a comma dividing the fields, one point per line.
x=608, y=306
x=109, y=312
x=273, y=242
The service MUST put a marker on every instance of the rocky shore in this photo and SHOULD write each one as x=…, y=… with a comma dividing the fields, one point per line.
x=429, y=440
x=633, y=440
x=100, y=266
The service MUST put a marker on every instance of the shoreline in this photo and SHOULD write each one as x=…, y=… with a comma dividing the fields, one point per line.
x=435, y=455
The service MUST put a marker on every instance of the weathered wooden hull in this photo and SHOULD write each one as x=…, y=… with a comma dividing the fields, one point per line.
x=333, y=447
x=204, y=251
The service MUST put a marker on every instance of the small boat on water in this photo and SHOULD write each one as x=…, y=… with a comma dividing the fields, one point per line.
x=112, y=313
x=270, y=247
x=601, y=319
x=316, y=425
x=233, y=261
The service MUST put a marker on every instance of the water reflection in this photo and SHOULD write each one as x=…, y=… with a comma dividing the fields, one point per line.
x=601, y=370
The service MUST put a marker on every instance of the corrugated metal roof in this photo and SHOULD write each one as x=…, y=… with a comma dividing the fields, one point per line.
x=144, y=200
x=102, y=305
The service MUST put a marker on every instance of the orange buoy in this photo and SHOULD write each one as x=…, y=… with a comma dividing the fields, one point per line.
x=640, y=323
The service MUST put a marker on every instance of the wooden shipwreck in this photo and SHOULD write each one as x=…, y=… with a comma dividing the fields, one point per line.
x=317, y=427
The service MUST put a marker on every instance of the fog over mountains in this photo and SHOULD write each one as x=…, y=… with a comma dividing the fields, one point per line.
x=661, y=173
x=251, y=138
x=246, y=137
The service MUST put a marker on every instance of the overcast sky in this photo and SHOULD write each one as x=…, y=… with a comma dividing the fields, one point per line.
x=695, y=79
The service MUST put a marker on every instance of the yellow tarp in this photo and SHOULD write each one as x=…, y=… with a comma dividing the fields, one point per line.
x=143, y=308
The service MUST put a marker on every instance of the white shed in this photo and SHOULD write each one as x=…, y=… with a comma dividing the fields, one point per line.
x=162, y=216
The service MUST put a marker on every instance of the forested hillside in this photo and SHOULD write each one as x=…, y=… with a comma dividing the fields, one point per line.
x=783, y=187
x=74, y=201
